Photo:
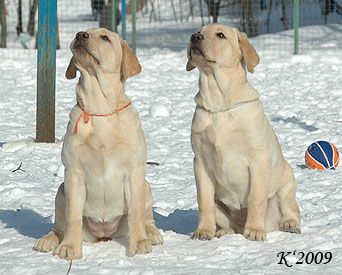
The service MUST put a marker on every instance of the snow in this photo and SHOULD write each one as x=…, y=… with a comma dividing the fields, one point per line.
x=158, y=110
x=302, y=98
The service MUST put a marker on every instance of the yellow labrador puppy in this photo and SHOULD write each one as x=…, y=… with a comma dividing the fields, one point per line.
x=105, y=194
x=244, y=184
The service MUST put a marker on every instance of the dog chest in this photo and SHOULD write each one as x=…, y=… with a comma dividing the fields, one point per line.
x=231, y=173
x=222, y=147
x=106, y=191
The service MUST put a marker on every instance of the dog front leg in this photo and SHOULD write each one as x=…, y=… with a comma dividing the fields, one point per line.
x=138, y=241
x=75, y=195
x=260, y=170
x=206, y=204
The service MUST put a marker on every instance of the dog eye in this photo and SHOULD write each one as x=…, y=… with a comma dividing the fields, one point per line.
x=220, y=35
x=105, y=38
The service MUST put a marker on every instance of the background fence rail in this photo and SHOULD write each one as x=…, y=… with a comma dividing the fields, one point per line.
x=168, y=23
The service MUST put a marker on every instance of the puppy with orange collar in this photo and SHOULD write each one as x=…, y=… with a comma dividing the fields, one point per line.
x=104, y=194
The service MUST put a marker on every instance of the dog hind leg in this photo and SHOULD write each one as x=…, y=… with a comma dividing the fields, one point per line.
x=223, y=223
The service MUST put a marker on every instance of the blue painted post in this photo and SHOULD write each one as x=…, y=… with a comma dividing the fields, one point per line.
x=134, y=25
x=46, y=71
x=123, y=19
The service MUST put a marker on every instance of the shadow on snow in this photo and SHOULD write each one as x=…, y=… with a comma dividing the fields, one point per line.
x=31, y=224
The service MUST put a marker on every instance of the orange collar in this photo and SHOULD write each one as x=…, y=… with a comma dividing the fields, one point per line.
x=86, y=115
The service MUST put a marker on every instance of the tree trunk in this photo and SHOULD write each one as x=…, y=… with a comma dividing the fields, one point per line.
x=181, y=10
x=3, y=23
x=174, y=10
x=263, y=5
x=140, y=5
x=269, y=15
x=250, y=23
x=153, y=12
x=31, y=23
x=285, y=18
x=201, y=9
x=19, y=27
x=191, y=11
x=338, y=8
x=58, y=44
x=213, y=8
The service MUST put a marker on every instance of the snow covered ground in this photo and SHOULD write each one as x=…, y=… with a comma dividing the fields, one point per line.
x=302, y=96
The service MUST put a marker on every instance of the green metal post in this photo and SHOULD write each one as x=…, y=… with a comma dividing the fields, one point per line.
x=134, y=25
x=296, y=25
x=46, y=71
x=123, y=19
x=114, y=15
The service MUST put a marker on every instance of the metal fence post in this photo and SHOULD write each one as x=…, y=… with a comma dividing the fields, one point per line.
x=123, y=19
x=46, y=71
x=134, y=25
x=296, y=26
x=114, y=15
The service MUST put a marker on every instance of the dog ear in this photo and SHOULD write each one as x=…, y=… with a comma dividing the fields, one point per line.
x=189, y=66
x=130, y=65
x=250, y=56
x=71, y=70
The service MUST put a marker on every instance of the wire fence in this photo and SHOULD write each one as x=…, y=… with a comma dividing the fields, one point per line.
x=169, y=23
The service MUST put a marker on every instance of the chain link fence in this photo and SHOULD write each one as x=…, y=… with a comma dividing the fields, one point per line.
x=169, y=23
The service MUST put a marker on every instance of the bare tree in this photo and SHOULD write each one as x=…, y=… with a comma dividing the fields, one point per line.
x=213, y=8
x=330, y=6
x=58, y=44
x=155, y=10
x=201, y=9
x=181, y=10
x=153, y=14
x=32, y=16
x=19, y=27
x=191, y=10
x=106, y=16
x=174, y=10
x=97, y=6
x=158, y=11
x=140, y=5
x=250, y=23
x=3, y=23
x=269, y=15
x=285, y=18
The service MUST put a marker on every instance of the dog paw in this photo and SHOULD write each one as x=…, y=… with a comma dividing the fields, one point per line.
x=254, y=234
x=224, y=231
x=203, y=234
x=153, y=235
x=141, y=247
x=68, y=251
x=291, y=226
x=47, y=243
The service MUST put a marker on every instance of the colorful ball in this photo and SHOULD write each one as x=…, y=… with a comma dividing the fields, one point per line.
x=322, y=155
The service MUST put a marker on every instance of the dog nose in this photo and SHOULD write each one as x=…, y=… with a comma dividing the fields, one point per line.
x=82, y=35
x=197, y=37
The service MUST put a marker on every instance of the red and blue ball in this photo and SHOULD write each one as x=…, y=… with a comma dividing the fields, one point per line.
x=322, y=155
